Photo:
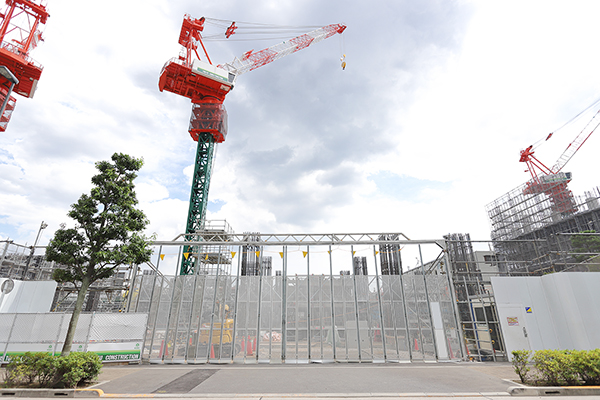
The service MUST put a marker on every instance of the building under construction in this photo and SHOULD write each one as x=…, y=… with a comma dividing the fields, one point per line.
x=531, y=232
x=21, y=262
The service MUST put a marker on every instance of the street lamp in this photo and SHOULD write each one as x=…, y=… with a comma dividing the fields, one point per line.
x=42, y=227
x=5, y=72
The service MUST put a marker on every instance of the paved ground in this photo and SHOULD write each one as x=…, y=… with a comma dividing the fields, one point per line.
x=356, y=380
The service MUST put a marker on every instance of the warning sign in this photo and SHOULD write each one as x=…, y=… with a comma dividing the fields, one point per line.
x=528, y=310
x=512, y=321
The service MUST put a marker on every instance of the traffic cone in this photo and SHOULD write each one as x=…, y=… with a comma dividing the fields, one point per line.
x=243, y=347
x=212, y=351
x=249, y=348
x=416, y=345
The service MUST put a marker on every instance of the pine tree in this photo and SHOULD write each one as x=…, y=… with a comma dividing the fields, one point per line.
x=107, y=233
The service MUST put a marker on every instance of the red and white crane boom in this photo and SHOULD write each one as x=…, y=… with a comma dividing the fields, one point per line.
x=576, y=144
x=250, y=61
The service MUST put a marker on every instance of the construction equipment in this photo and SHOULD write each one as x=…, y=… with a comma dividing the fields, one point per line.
x=552, y=181
x=206, y=85
x=19, y=34
x=222, y=337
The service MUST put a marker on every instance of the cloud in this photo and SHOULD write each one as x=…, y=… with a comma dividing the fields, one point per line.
x=420, y=131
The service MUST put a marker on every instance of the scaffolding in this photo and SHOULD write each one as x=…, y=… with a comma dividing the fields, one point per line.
x=105, y=295
x=204, y=257
x=389, y=255
x=471, y=271
x=520, y=217
x=21, y=262
x=517, y=214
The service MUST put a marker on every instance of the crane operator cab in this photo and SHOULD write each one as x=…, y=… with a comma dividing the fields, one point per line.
x=219, y=75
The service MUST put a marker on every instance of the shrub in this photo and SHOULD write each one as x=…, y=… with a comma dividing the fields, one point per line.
x=520, y=360
x=566, y=367
x=587, y=365
x=546, y=363
x=559, y=367
x=14, y=373
x=76, y=368
x=29, y=368
x=45, y=370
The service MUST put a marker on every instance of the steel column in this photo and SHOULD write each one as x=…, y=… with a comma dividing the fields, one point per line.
x=435, y=349
x=381, y=325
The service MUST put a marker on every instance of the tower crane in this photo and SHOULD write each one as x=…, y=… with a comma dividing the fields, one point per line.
x=552, y=181
x=19, y=34
x=206, y=85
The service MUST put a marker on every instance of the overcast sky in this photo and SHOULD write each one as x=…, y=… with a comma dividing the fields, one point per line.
x=417, y=135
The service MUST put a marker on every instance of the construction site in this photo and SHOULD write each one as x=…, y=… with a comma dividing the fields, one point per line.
x=256, y=297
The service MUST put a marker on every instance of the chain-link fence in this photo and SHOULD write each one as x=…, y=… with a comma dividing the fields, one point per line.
x=114, y=337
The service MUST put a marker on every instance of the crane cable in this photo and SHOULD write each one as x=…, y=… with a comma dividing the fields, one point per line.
x=256, y=30
x=343, y=51
x=541, y=141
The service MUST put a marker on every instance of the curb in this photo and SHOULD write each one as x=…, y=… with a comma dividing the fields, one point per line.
x=554, y=391
x=304, y=395
x=51, y=393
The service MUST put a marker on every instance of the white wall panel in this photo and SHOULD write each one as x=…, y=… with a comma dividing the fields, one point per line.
x=28, y=297
x=564, y=309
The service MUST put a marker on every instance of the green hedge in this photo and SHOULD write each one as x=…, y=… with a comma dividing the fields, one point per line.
x=47, y=371
x=558, y=367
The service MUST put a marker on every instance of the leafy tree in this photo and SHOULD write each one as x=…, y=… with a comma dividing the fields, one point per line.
x=585, y=244
x=107, y=232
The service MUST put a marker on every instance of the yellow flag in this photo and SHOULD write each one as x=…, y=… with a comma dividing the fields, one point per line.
x=376, y=252
x=186, y=255
x=305, y=253
x=206, y=257
x=257, y=253
x=232, y=254
x=162, y=256
x=354, y=252
x=329, y=251
x=281, y=254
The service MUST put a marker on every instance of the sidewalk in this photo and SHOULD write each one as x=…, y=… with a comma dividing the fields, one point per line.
x=313, y=380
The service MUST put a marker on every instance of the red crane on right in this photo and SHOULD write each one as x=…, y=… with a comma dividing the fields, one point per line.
x=553, y=182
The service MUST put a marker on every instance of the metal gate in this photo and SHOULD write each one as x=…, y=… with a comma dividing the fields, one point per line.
x=218, y=316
